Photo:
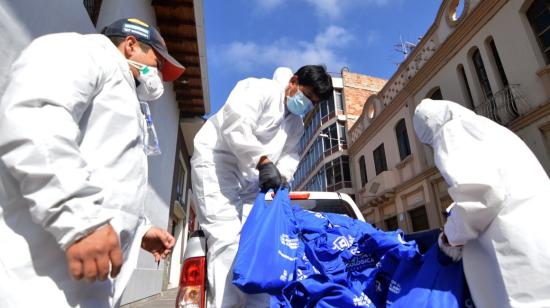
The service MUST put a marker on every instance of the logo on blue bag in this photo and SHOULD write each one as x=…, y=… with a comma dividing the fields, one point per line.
x=291, y=243
x=285, y=276
x=342, y=242
x=360, y=263
x=395, y=287
x=362, y=300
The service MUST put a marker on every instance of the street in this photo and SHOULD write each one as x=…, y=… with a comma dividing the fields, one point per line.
x=165, y=300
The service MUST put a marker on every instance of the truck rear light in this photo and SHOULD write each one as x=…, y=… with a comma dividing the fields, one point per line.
x=191, y=292
x=295, y=195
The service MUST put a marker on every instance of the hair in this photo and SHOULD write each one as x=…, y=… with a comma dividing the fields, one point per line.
x=317, y=78
x=117, y=40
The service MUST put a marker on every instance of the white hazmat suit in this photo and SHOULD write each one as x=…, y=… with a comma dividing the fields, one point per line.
x=252, y=123
x=71, y=159
x=501, y=203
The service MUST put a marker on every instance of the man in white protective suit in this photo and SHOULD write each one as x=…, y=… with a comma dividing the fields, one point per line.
x=254, y=135
x=73, y=167
x=501, y=198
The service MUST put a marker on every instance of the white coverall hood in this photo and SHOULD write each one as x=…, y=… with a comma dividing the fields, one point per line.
x=501, y=195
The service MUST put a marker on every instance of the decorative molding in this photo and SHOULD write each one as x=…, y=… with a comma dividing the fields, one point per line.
x=448, y=14
x=533, y=116
x=473, y=22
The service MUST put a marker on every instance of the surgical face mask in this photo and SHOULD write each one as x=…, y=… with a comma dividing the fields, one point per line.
x=150, y=86
x=299, y=104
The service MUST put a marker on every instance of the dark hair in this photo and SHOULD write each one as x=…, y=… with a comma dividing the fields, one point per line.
x=117, y=40
x=317, y=78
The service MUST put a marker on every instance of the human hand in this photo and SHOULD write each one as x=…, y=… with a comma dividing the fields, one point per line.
x=453, y=252
x=158, y=242
x=270, y=178
x=89, y=257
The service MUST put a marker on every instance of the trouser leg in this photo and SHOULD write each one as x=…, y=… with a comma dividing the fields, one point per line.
x=216, y=190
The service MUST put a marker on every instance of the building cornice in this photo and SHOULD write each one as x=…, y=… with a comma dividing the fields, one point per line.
x=533, y=116
x=471, y=25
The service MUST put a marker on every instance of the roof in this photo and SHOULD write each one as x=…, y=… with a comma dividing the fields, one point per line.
x=181, y=25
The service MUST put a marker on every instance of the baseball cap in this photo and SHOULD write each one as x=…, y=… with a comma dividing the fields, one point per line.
x=146, y=34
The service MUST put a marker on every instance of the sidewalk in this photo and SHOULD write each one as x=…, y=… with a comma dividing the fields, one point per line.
x=166, y=299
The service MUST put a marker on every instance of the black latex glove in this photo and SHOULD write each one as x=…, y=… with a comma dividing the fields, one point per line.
x=270, y=178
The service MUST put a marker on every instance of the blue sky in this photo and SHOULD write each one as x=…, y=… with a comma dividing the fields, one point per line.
x=250, y=38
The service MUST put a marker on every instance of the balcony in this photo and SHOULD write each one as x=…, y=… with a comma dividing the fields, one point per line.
x=380, y=189
x=505, y=106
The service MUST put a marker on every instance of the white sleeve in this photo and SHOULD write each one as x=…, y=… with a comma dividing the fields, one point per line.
x=50, y=88
x=240, y=116
x=475, y=182
x=290, y=157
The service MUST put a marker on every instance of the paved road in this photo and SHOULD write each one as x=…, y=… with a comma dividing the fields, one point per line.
x=166, y=300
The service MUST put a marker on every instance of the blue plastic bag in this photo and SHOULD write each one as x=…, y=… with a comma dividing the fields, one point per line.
x=436, y=281
x=268, y=247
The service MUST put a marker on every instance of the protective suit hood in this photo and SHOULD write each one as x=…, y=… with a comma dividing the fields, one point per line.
x=430, y=116
x=282, y=75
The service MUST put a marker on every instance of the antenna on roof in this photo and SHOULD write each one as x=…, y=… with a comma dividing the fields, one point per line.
x=404, y=47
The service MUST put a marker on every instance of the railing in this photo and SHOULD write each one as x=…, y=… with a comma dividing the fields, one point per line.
x=504, y=106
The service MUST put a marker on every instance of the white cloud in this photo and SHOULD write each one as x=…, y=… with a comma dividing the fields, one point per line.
x=250, y=56
x=373, y=36
x=332, y=9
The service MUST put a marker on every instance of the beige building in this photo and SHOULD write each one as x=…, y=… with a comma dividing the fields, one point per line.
x=491, y=56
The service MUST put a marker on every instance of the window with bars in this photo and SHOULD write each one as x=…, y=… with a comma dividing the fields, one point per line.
x=538, y=15
x=380, y=164
x=93, y=7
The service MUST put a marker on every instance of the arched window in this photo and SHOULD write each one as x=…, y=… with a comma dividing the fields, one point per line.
x=465, y=86
x=402, y=139
x=363, y=171
x=435, y=94
x=482, y=74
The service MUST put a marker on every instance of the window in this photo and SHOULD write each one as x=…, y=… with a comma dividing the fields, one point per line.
x=539, y=17
x=419, y=219
x=345, y=169
x=436, y=94
x=181, y=180
x=498, y=63
x=324, y=108
x=338, y=100
x=465, y=86
x=93, y=6
x=363, y=171
x=331, y=139
x=342, y=133
x=482, y=74
x=380, y=159
x=391, y=223
x=402, y=139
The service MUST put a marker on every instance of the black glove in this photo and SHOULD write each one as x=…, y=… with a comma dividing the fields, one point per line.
x=270, y=178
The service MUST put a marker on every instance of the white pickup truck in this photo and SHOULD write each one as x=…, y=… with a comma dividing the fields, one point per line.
x=192, y=286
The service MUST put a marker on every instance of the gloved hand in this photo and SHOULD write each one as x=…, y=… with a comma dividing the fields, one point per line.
x=453, y=252
x=270, y=178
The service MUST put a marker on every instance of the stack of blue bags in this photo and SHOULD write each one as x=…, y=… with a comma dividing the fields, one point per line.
x=308, y=259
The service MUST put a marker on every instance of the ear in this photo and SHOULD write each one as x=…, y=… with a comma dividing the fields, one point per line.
x=130, y=46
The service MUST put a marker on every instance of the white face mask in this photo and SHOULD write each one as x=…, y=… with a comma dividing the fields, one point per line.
x=150, y=84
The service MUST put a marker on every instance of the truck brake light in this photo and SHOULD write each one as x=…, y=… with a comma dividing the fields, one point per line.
x=191, y=292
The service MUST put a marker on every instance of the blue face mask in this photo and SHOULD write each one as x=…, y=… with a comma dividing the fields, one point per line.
x=298, y=104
